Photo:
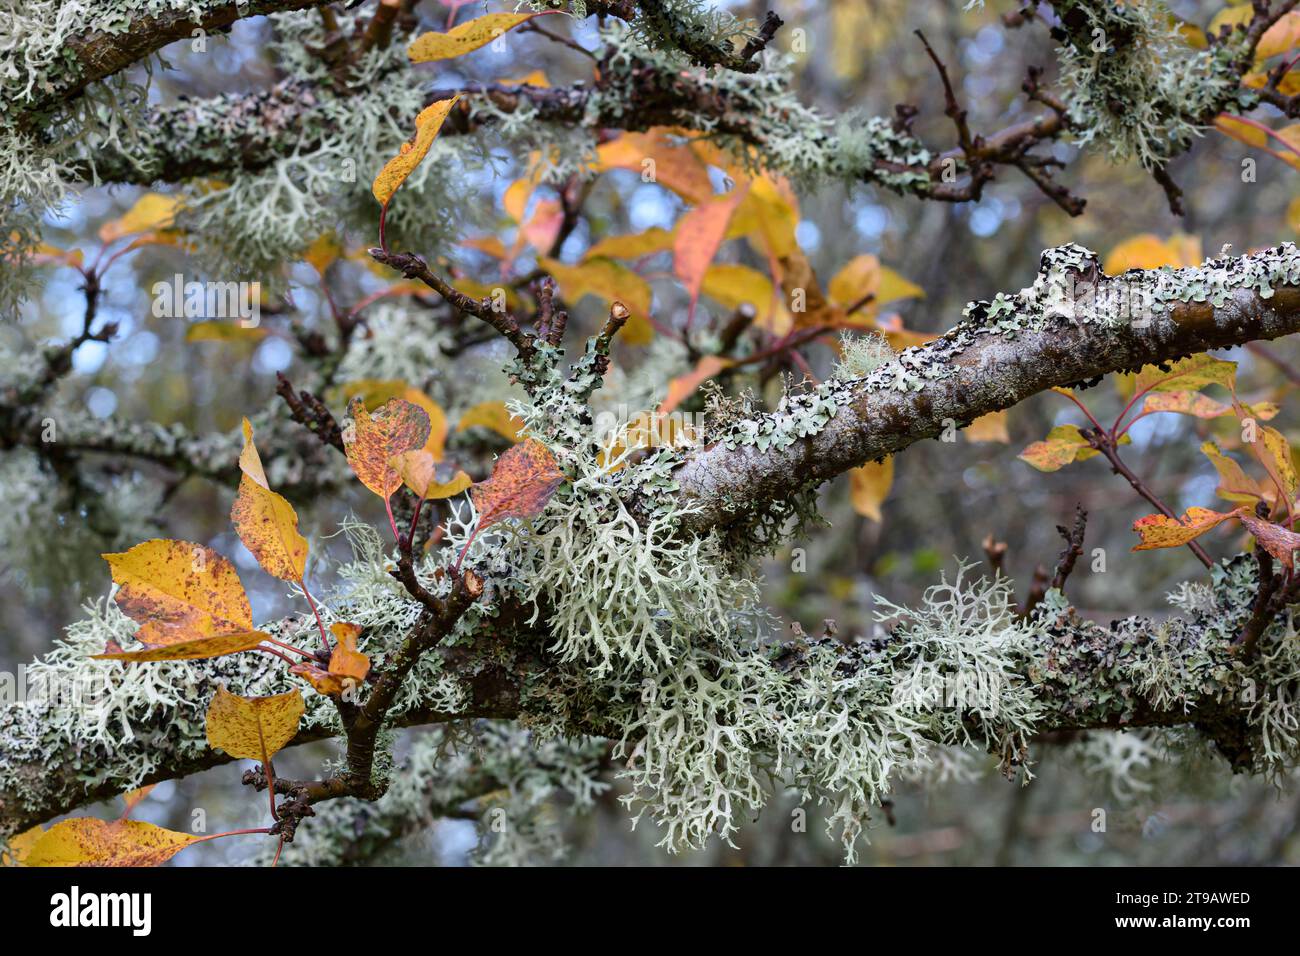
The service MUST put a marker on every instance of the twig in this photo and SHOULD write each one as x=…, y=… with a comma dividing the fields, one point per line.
x=1073, y=547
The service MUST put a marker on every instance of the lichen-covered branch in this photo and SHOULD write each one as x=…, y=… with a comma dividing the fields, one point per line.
x=1070, y=328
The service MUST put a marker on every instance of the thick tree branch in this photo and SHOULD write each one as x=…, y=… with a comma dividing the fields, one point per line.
x=985, y=365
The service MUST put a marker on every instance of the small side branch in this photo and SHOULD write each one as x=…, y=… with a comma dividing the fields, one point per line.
x=413, y=267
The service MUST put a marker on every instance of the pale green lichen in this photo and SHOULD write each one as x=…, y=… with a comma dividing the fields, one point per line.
x=1133, y=84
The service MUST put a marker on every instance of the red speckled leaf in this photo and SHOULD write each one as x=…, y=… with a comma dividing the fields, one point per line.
x=179, y=591
x=395, y=427
x=521, y=483
x=1159, y=531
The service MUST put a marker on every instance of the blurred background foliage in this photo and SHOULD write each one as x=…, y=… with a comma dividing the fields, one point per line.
x=945, y=499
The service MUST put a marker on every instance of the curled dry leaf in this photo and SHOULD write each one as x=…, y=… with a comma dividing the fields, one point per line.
x=347, y=666
x=396, y=427
x=89, y=842
x=179, y=591
x=1273, y=538
x=265, y=521
x=253, y=728
x=400, y=166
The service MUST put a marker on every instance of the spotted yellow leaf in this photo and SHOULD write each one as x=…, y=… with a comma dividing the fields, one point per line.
x=400, y=166
x=253, y=728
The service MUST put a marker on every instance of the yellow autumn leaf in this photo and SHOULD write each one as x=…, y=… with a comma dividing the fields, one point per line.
x=178, y=591
x=400, y=166
x=18, y=847
x=1241, y=131
x=253, y=728
x=768, y=215
x=373, y=392
x=632, y=246
x=436, y=443
x=864, y=275
x=869, y=486
x=1277, y=460
x=1189, y=374
x=85, y=841
x=151, y=211
x=1234, y=484
x=222, y=330
x=734, y=285
x=265, y=521
x=465, y=38
x=493, y=416
x=195, y=649
x=605, y=279
x=324, y=251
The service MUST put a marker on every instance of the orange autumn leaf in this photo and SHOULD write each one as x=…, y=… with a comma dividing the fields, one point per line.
x=86, y=841
x=659, y=159
x=869, y=486
x=990, y=427
x=1160, y=531
x=521, y=483
x=804, y=293
x=370, y=444
x=265, y=521
x=684, y=386
x=347, y=666
x=197, y=649
x=178, y=591
x=465, y=38
x=400, y=166
x=699, y=234
x=133, y=798
x=253, y=728
x=345, y=660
